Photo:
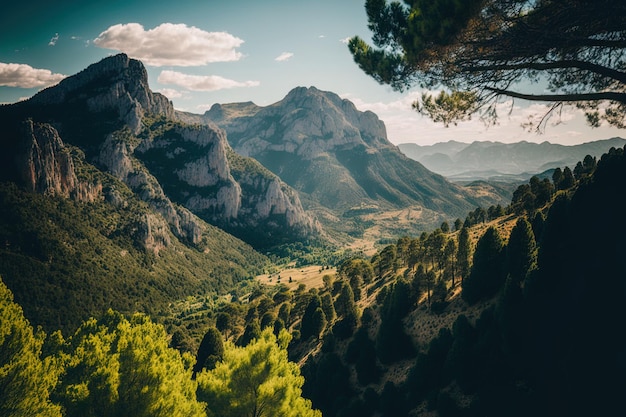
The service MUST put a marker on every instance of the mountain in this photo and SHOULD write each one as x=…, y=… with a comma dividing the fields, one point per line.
x=107, y=201
x=125, y=129
x=337, y=157
x=501, y=161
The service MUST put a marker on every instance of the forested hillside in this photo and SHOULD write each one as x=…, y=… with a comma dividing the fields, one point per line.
x=514, y=311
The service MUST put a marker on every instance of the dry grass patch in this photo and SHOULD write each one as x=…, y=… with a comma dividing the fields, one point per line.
x=311, y=276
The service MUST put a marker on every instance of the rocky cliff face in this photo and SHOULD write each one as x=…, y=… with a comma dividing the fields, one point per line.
x=307, y=123
x=181, y=171
x=45, y=165
x=116, y=83
x=336, y=155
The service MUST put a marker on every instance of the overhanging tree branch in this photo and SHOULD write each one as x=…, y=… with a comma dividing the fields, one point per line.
x=600, y=96
x=542, y=66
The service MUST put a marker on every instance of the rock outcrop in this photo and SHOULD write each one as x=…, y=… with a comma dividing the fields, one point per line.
x=116, y=83
x=45, y=165
x=307, y=123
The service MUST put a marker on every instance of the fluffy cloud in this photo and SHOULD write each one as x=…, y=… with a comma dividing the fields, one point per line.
x=285, y=56
x=171, y=44
x=170, y=93
x=201, y=82
x=25, y=76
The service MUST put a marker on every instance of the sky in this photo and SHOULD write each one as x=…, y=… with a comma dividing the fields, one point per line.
x=202, y=52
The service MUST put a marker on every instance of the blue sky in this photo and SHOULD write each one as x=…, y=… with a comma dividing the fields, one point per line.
x=203, y=52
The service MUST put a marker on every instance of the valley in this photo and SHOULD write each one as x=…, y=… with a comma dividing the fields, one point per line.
x=148, y=251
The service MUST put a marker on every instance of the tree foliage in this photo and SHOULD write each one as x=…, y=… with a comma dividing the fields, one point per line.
x=120, y=367
x=25, y=379
x=479, y=51
x=487, y=275
x=257, y=380
x=211, y=350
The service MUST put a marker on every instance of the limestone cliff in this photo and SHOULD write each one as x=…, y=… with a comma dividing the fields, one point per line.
x=181, y=171
x=116, y=83
x=335, y=155
x=45, y=165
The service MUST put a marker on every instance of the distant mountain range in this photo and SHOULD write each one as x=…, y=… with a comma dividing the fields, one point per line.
x=502, y=161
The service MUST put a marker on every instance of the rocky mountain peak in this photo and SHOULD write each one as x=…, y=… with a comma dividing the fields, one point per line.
x=115, y=83
x=308, y=123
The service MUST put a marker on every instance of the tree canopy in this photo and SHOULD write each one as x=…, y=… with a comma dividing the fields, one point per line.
x=256, y=380
x=25, y=380
x=479, y=50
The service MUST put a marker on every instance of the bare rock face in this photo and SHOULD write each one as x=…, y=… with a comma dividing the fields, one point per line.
x=119, y=83
x=46, y=166
x=307, y=123
x=272, y=197
x=180, y=170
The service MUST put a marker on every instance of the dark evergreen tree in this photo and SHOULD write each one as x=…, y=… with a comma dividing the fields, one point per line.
x=521, y=250
x=210, y=352
x=557, y=178
x=328, y=306
x=392, y=342
x=347, y=311
x=487, y=274
x=311, y=324
x=440, y=295
x=267, y=320
x=252, y=332
x=463, y=254
x=361, y=352
x=568, y=179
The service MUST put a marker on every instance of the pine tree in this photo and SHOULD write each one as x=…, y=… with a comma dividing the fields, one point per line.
x=487, y=274
x=120, y=367
x=463, y=254
x=521, y=251
x=210, y=351
x=312, y=322
x=25, y=379
x=257, y=380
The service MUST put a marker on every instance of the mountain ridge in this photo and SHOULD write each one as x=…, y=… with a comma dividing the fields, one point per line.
x=458, y=160
x=109, y=112
x=337, y=157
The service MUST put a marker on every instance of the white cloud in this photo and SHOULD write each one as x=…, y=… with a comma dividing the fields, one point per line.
x=25, y=76
x=201, y=82
x=170, y=93
x=345, y=40
x=171, y=44
x=54, y=40
x=285, y=56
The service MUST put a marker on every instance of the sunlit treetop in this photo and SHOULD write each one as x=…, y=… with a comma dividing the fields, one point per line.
x=479, y=51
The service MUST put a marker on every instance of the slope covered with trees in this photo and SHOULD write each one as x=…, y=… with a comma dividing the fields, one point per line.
x=506, y=313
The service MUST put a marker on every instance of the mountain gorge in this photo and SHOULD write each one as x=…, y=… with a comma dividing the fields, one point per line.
x=337, y=157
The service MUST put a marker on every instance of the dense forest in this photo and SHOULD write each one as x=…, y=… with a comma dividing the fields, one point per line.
x=514, y=311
